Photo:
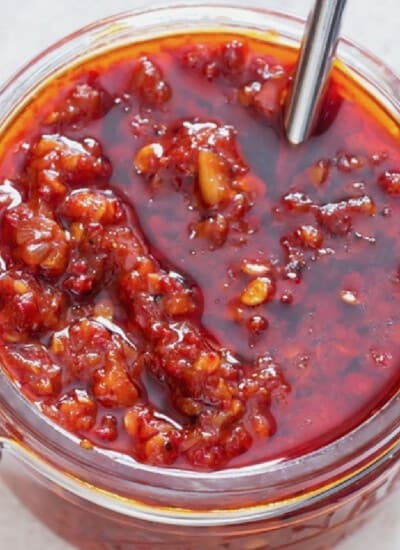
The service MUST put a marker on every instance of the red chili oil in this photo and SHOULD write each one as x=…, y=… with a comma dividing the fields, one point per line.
x=178, y=283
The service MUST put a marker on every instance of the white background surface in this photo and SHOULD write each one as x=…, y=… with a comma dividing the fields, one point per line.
x=26, y=27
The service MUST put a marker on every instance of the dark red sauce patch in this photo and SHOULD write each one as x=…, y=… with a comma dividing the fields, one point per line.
x=179, y=284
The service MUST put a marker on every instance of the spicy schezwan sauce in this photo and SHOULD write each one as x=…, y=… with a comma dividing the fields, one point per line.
x=179, y=284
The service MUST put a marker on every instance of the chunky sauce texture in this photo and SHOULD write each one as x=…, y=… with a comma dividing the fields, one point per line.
x=180, y=285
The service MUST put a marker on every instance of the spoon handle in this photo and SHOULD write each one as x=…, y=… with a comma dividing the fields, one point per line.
x=313, y=69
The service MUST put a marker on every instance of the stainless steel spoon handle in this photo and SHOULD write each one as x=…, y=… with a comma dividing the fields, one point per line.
x=313, y=69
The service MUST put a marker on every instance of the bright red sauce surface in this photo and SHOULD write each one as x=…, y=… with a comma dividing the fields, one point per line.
x=179, y=284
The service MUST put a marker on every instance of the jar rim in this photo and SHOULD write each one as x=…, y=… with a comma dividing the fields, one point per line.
x=331, y=467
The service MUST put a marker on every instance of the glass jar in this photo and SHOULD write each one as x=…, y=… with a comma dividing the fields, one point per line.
x=100, y=501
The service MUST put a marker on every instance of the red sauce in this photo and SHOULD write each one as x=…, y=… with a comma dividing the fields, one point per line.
x=179, y=284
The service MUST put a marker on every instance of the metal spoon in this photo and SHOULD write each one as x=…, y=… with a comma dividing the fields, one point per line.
x=313, y=69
